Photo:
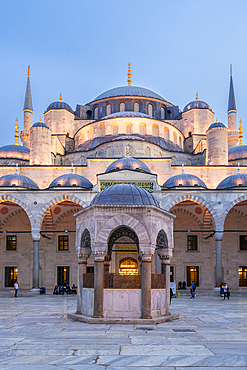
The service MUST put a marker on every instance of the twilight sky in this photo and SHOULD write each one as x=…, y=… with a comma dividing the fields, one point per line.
x=82, y=48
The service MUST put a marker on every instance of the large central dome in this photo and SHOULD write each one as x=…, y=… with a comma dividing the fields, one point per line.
x=129, y=91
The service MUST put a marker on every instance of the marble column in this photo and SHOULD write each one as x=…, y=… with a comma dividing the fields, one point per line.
x=218, y=240
x=35, y=264
x=99, y=279
x=165, y=270
x=107, y=264
x=146, y=286
x=82, y=269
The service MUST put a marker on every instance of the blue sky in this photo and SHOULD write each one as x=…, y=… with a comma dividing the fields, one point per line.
x=82, y=48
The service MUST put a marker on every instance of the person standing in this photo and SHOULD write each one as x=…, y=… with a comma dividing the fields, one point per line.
x=16, y=286
x=225, y=292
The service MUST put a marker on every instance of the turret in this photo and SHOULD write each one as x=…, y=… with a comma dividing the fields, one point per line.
x=28, y=114
x=40, y=144
x=217, y=144
x=232, y=116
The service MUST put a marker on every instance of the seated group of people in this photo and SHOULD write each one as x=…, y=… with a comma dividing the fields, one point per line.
x=62, y=289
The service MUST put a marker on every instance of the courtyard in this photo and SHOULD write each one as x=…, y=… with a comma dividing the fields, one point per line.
x=35, y=334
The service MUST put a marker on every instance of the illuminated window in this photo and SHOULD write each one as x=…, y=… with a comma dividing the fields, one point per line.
x=174, y=137
x=192, y=275
x=242, y=272
x=63, y=242
x=128, y=266
x=180, y=141
x=96, y=113
x=142, y=128
x=243, y=242
x=155, y=130
x=136, y=107
x=150, y=110
x=162, y=111
x=192, y=242
x=102, y=130
x=91, y=133
x=10, y=276
x=11, y=243
x=129, y=128
x=62, y=275
x=122, y=107
x=166, y=133
x=108, y=109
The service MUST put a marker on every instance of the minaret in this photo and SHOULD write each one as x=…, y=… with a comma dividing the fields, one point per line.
x=28, y=114
x=233, y=135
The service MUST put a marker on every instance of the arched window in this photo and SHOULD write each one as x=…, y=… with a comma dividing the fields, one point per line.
x=90, y=133
x=129, y=128
x=122, y=107
x=155, y=130
x=102, y=130
x=95, y=113
x=150, y=110
x=162, y=113
x=142, y=128
x=147, y=152
x=114, y=128
x=174, y=160
x=136, y=107
x=128, y=266
x=180, y=141
x=166, y=133
x=128, y=150
x=169, y=114
x=108, y=109
x=174, y=137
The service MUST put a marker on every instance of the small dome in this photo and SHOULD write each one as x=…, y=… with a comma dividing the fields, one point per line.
x=129, y=91
x=184, y=179
x=237, y=152
x=125, y=194
x=216, y=125
x=196, y=104
x=40, y=124
x=19, y=181
x=239, y=179
x=60, y=105
x=71, y=180
x=15, y=151
x=128, y=163
x=126, y=114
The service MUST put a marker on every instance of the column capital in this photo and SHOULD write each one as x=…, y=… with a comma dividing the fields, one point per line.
x=83, y=253
x=218, y=235
x=164, y=254
x=146, y=255
x=99, y=255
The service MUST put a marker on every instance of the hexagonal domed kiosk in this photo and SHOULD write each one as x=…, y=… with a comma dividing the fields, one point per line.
x=123, y=228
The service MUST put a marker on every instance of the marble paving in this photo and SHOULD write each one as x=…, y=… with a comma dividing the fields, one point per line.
x=210, y=334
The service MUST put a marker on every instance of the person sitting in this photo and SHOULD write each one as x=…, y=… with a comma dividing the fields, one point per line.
x=61, y=290
x=56, y=290
x=42, y=290
x=68, y=290
x=74, y=289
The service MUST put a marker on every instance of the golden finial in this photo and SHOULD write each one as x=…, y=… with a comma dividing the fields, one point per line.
x=240, y=134
x=217, y=120
x=197, y=96
x=28, y=71
x=60, y=98
x=230, y=69
x=16, y=132
x=40, y=119
x=129, y=75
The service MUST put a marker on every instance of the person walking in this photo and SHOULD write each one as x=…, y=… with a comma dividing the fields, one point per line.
x=192, y=289
x=16, y=286
x=226, y=292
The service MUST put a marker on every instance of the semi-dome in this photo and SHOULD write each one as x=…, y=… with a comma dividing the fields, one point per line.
x=128, y=163
x=71, y=180
x=125, y=194
x=239, y=179
x=60, y=105
x=184, y=179
x=126, y=114
x=15, y=151
x=237, y=152
x=19, y=181
x=196, y=104
x=40, y=124
x=129, y=91
x=216, y=125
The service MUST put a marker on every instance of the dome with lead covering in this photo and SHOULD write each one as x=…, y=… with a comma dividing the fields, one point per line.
x=18, y=181
x=124, y=194
x=238, y=179
x=126, y=114
x=184, y=179
x=71, y=180
x=15, y=151
x=216, y=125
x=60, y=105
x=237, y=152
x=128, y=91
x=128, y=163
x=196, y=104
x=40, y=124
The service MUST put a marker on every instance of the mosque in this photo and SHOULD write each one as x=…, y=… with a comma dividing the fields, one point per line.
x=160, y=177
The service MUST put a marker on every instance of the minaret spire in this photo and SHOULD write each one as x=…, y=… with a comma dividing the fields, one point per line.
x=240, y=133
x=231, y=100
x=28, y=105
x=16, y=132
x=233, y=134
x=129, y=75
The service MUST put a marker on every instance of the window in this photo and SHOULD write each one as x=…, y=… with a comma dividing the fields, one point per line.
x=162, y=111
x=155, y=130
x=192, y=275
x=102, y=130
x=90, y=269
x=10, y=276
x=242, y=272
x=147, y=152
x=166, y=133
x=174, y=137
x=172, y=274
x=180, y=141
x=150, y=110
x=63, y=242
x=122, y=107
x=63, y=275
x=142, y=128
x=192, y=242
x=96, y=113
x=114, y=128
x=11, y=243
x=91, y=133
x=128, y=266
x=129, y=128
x=108, y=109
x=243, y=242
x=136, y=107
